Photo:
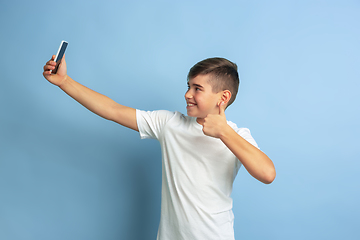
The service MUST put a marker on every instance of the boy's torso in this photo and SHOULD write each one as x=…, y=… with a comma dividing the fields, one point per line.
x=198, y=173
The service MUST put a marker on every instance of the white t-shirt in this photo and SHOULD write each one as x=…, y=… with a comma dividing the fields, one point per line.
x=197, y=177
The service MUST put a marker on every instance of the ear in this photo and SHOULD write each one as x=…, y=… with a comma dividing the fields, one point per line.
x=225, y=97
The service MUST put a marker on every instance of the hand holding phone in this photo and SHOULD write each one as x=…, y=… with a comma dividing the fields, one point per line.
x=59, y=55
x=51, y=67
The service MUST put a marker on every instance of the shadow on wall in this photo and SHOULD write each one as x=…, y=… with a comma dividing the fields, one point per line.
x=130, y=174
x=145, y=198
x=69, y=182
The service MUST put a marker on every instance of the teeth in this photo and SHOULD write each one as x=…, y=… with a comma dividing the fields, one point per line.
x=190, y=104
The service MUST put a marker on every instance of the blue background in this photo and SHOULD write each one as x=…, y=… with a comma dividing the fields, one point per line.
x=65, y=173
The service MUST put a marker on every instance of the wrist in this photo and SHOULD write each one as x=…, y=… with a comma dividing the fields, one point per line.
x=226, y=132
x=64, y=82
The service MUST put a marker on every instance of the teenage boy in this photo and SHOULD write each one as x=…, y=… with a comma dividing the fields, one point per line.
x=201, y=152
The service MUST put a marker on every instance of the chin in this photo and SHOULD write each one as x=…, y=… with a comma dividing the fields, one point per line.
x=194, y=115
x=191, y=114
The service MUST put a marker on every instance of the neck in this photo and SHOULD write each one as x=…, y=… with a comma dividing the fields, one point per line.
x=200, y=121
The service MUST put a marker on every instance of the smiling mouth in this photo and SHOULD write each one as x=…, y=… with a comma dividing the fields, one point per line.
x=190, y=104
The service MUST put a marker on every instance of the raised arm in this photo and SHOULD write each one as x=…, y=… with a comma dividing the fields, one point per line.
x=257, y=163
x=94, y=101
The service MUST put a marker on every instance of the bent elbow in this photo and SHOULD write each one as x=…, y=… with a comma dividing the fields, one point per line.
x=270, y=176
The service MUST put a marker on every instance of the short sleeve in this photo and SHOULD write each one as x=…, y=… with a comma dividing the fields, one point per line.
x=244, y=133
x=151, y=123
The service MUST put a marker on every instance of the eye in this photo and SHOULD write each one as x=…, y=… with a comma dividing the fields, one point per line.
x=197, y=89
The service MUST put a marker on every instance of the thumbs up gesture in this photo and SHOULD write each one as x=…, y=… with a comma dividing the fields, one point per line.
x=215, y=124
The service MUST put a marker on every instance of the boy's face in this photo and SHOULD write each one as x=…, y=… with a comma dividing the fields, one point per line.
x=200, y=98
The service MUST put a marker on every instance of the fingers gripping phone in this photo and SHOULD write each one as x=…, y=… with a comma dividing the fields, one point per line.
x=59, y=55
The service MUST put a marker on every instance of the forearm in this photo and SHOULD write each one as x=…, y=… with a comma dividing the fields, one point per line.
x=100, y=104
x=257, y=163
x=94, y=101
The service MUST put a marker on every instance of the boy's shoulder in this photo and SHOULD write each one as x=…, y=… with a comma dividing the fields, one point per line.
x=243, y=132
x=236, y=128
x=160, y=114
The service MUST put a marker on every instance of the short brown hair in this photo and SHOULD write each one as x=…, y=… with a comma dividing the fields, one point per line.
x=224, y=75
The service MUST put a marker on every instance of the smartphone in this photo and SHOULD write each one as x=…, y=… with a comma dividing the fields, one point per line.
x=59, y=55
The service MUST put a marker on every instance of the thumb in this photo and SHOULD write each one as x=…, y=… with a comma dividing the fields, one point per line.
x=222, y=108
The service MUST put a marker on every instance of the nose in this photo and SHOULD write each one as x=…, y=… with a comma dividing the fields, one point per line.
x=188, y=94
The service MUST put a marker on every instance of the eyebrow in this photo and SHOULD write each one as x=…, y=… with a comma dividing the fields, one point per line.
x=195, y=85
